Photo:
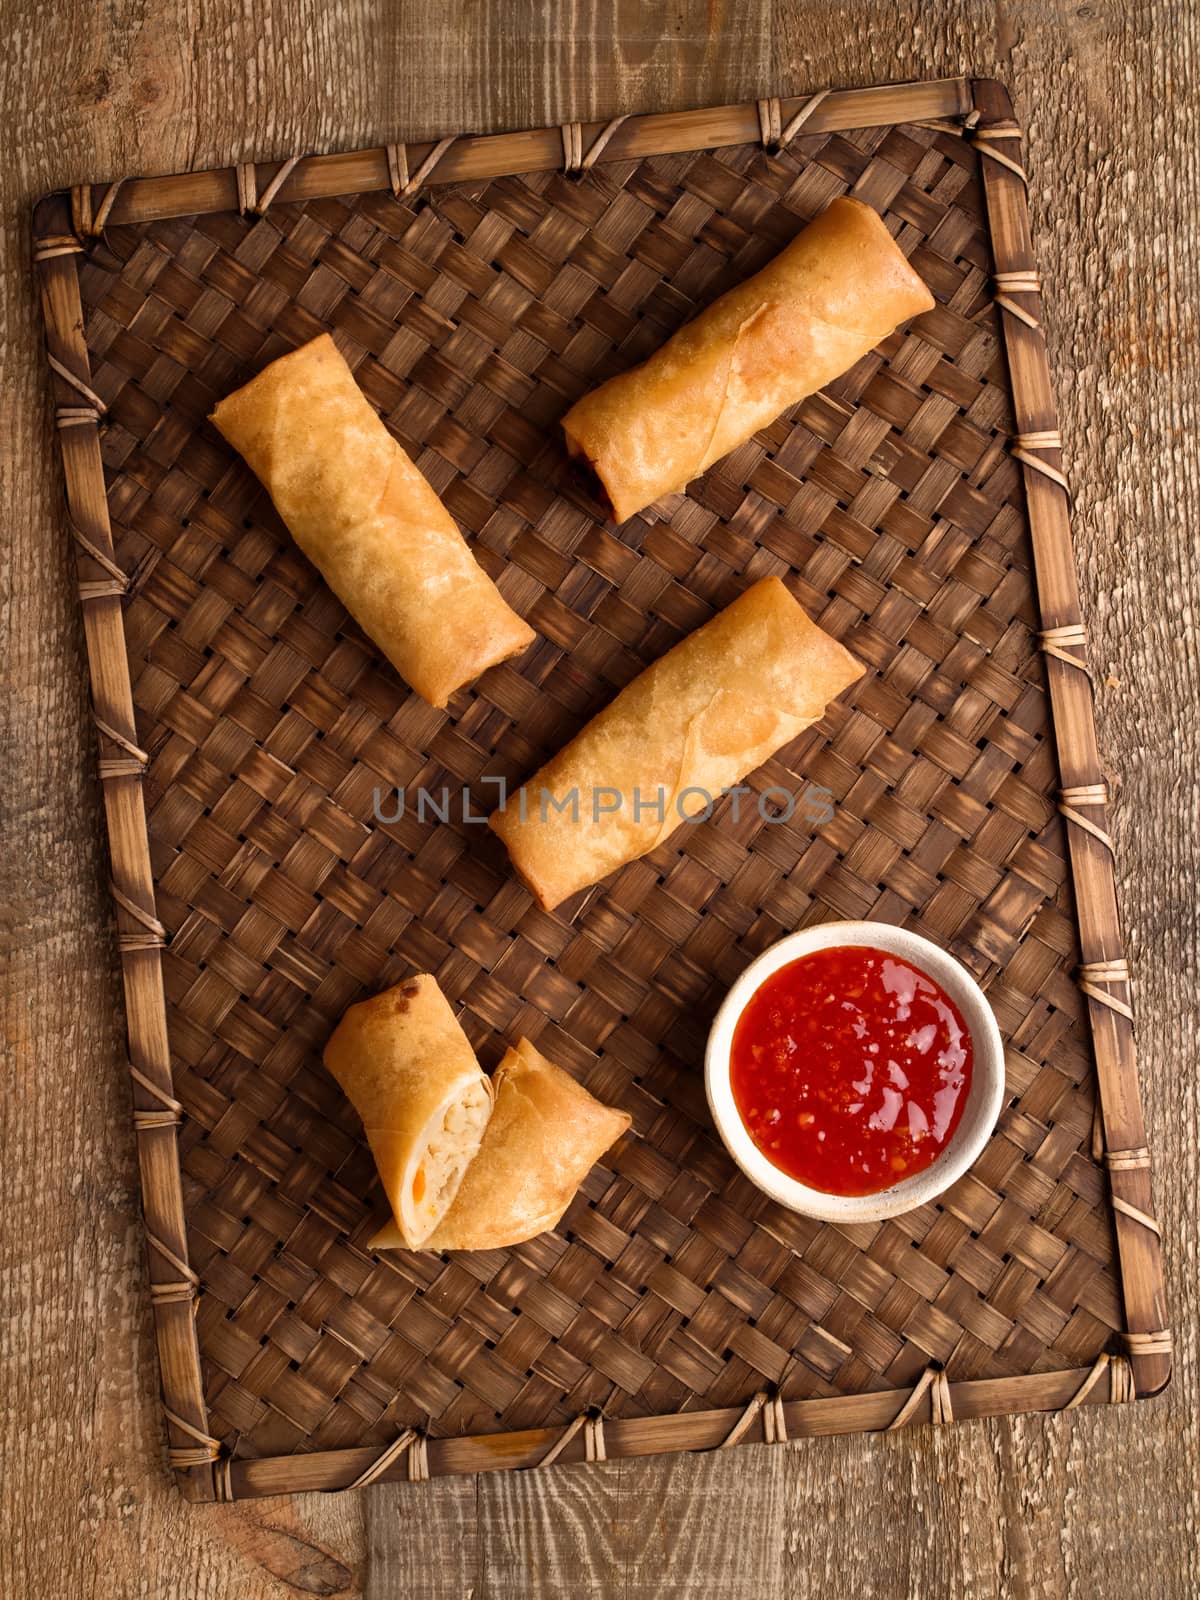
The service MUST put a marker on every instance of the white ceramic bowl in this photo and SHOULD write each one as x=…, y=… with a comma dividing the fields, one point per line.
x=984, y=1098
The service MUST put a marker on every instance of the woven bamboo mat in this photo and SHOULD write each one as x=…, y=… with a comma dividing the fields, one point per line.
x=264, y=737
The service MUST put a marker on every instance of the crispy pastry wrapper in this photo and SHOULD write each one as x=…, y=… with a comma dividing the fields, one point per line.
x=366, y=518
x=691, y=725
x=545, y=1134
x=826, y=299
x=410, y=1072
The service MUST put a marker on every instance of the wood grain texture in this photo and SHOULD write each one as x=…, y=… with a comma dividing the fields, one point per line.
x=1016, y=1507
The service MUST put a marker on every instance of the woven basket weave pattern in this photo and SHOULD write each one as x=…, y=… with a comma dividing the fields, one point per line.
x=473, y=317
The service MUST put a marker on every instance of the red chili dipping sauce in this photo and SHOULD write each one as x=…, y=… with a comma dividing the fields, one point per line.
x=850, y=1069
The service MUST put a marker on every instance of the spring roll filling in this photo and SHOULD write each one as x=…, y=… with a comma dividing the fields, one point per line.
x=444, y=1156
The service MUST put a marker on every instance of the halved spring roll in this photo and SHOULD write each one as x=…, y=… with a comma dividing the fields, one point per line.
x=366, y=518
x=827, y=298
x=692, y=725
x=545, y=1134
x=409, y=1069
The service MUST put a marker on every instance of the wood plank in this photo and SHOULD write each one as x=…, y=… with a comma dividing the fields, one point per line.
x=83, y=91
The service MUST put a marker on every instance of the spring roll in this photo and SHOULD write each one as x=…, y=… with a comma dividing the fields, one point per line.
x=831, y=295
x=545, y=1134
x=411, y=1073
x=686, y=729
x=367, y=519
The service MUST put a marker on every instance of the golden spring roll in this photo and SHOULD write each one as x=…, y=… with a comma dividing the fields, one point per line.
x=691, y=725
x=544, y=1136
x=831, y=295
x=367, y=519
x=411, y=1073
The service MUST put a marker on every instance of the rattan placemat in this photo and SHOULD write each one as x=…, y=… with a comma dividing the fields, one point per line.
x=251, y=741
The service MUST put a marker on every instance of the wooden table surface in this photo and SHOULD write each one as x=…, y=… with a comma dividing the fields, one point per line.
x=1103, y=1503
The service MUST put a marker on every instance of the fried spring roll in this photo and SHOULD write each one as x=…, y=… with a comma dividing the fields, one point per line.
x=831, y=295
x=690, y=726
x=410, y=1071
x=367, y=519
x=544, y=1136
